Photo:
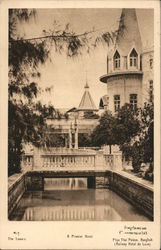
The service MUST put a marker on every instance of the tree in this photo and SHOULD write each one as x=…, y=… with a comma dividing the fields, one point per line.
x=104, y=133
x=128, y=124
x=147, y=132
x=84, y=140
x=135, y=130
x=26, y=119
x=127, y=130
x=131, y=129
x=90, y=115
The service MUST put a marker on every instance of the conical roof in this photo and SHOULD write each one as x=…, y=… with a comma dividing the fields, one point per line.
x=87, y=102
x=128, y=35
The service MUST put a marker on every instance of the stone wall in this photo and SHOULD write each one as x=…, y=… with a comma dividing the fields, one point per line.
x=34, y=183
x=102, y=182
x=140, y=195
x=15, y=192
x=148, y=74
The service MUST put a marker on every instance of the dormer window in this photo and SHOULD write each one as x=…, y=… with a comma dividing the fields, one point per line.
x=133, y=58
x=116, y=60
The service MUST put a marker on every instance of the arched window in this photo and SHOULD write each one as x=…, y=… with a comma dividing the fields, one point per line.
x=133, y=58
x=116, y=60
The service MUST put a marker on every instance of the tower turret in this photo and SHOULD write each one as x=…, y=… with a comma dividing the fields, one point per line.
x=125, y=55
x=124, y=76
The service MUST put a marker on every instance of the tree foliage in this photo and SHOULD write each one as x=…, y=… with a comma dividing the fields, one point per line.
x=131, y=129
x=104, y=133
x=128, y=124
x=26, y=120
x=84, y=140
x=138, y=132
x=146, y=136
x=90, y=115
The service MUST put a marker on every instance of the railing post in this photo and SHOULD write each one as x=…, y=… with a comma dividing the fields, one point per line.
x=117, y=162
x=37, y=161
x=100, y=162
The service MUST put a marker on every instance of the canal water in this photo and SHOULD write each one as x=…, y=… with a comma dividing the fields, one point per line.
x=69, y=199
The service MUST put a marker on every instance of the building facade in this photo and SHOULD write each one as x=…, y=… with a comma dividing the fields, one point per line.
x=129, y=75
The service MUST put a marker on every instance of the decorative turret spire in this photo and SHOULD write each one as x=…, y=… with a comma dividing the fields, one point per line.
x=86, y=86
x=128, y=35
x=87, y=102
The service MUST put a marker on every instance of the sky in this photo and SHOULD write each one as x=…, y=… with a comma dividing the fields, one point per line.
x=68, y=76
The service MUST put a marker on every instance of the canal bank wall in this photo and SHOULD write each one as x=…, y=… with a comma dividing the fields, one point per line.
x=135, y=190
x=16, y=189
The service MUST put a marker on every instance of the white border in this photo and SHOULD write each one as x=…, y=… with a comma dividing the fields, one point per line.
x=53, y=235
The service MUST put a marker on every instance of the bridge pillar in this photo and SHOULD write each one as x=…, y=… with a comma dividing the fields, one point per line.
x=91, y=182
x=34, y=183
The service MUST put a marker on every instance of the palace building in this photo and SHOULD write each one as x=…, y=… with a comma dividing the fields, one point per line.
x=77, y=121
x=129, y=76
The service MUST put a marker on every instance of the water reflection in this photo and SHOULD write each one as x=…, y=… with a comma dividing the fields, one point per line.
x=70, y=200
x=65, y=213
x=65, y=183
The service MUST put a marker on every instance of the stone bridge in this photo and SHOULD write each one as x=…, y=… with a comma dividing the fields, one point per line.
x=96, y=166
x=71, y=163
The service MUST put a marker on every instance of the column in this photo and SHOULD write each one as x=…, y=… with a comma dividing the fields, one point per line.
x=70, y=138
x=66, y=141
x=76, y=139
x=38, y=160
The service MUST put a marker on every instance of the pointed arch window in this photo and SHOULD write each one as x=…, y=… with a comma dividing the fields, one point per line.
x=116, y=60
x=133, y=58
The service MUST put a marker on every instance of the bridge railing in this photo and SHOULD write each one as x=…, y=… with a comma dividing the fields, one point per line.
x=109, y=160
x=77, y=159
x=68, y=161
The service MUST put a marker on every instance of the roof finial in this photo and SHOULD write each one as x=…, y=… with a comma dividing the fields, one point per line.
x=86, y=85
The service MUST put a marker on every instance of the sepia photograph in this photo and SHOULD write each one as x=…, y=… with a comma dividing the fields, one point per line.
x=80, y=122
x=80, y=143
